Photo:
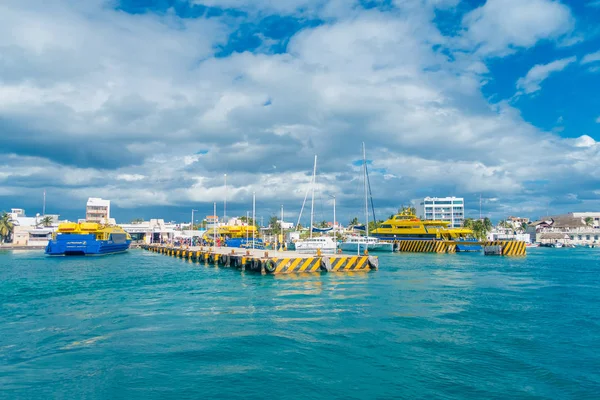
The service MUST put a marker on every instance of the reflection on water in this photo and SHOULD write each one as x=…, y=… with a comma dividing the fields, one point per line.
x=422, y=326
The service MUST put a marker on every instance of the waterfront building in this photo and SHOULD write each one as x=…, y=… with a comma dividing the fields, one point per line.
x=97, y=210
x=28, y=231
x=517, y=222
x=449, y=209
x=211, y=221
x=566, y=229
x=285, y=225
x=153, y=231
x=595, y=217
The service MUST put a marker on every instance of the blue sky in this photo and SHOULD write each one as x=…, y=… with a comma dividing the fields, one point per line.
x=150, y=103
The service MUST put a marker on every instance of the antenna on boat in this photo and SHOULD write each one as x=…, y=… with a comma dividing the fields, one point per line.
x=253, y=217
x=312, y=201
x=366, y=194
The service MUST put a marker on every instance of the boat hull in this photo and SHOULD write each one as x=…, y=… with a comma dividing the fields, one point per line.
x=371, y=247
x=84, y=245
x=311, y=249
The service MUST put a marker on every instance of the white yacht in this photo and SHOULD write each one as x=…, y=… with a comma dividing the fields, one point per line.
x=361, y=243
x=324, y=243
x=310, y=245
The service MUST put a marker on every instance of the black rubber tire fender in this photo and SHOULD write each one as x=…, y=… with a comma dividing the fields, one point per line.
x=270, y=266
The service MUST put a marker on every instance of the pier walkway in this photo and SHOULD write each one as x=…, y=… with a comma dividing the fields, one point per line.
x=271, y=261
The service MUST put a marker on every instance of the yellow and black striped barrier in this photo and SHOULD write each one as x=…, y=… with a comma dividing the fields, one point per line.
x=356, y=263
x=274, y=265
x=509, y=248
x=289, y=265
x=425, y=246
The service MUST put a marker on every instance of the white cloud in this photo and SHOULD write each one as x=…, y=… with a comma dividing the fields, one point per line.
x=591, y=57
x=144, y=95
x=500, y=26
x=130, y=177
x=598, y=120
x=531, y=82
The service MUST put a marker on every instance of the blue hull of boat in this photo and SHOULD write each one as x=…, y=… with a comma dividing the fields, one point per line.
x=84, y=245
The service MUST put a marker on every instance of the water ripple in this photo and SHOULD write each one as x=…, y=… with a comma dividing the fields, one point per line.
x=141, y=325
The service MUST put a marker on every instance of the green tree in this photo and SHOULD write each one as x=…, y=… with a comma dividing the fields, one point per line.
x=524, y=226
x=354, y=221
x=589, y=221
x=407, y=210
x=373, y=225
x=7, y=227
x=487, y=224
x=46, y=221
x=299, y=226
x=479, y=227
x=274, y=225
x=137, y=220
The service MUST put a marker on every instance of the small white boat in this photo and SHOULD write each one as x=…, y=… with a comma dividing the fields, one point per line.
x=362, y=243
x=532, y=245
x=557, y=245
x=324, y=243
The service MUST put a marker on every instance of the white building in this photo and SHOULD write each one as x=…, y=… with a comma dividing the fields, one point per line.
x=595, y=216
x=286, y=225
x=97, y=210
x=449, y=209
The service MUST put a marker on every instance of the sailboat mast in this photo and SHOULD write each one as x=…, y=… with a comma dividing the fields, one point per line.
x=312, y=200
x=366, y=194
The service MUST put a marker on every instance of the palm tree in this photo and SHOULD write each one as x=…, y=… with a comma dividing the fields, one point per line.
x=589, y=221
x=46, y=221
x=7, y=227
x=408, y=210
x=487, y=224
x=354, y=221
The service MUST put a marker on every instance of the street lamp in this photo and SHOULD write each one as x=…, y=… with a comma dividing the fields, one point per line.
x=334, y=236
x=192, y=225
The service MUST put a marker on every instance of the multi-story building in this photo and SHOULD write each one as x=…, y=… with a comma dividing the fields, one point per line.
x=567, y=229
x=97, y=210
x=592, y=217
x=449, y=209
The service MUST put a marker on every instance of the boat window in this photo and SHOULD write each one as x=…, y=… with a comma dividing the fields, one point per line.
x=386, y=226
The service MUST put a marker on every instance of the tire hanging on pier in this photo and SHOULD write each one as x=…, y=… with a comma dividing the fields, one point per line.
x=270, y=266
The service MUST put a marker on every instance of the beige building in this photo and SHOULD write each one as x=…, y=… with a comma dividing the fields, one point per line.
x=565, y=229
x=97, y=210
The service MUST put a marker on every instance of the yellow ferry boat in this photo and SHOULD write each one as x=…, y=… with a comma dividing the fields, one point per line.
x=407, y=226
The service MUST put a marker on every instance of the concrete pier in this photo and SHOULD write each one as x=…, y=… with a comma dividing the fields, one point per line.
x=271, y=262
x=508, y=248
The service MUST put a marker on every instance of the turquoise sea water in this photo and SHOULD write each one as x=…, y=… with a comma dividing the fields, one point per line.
x=142, y=325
